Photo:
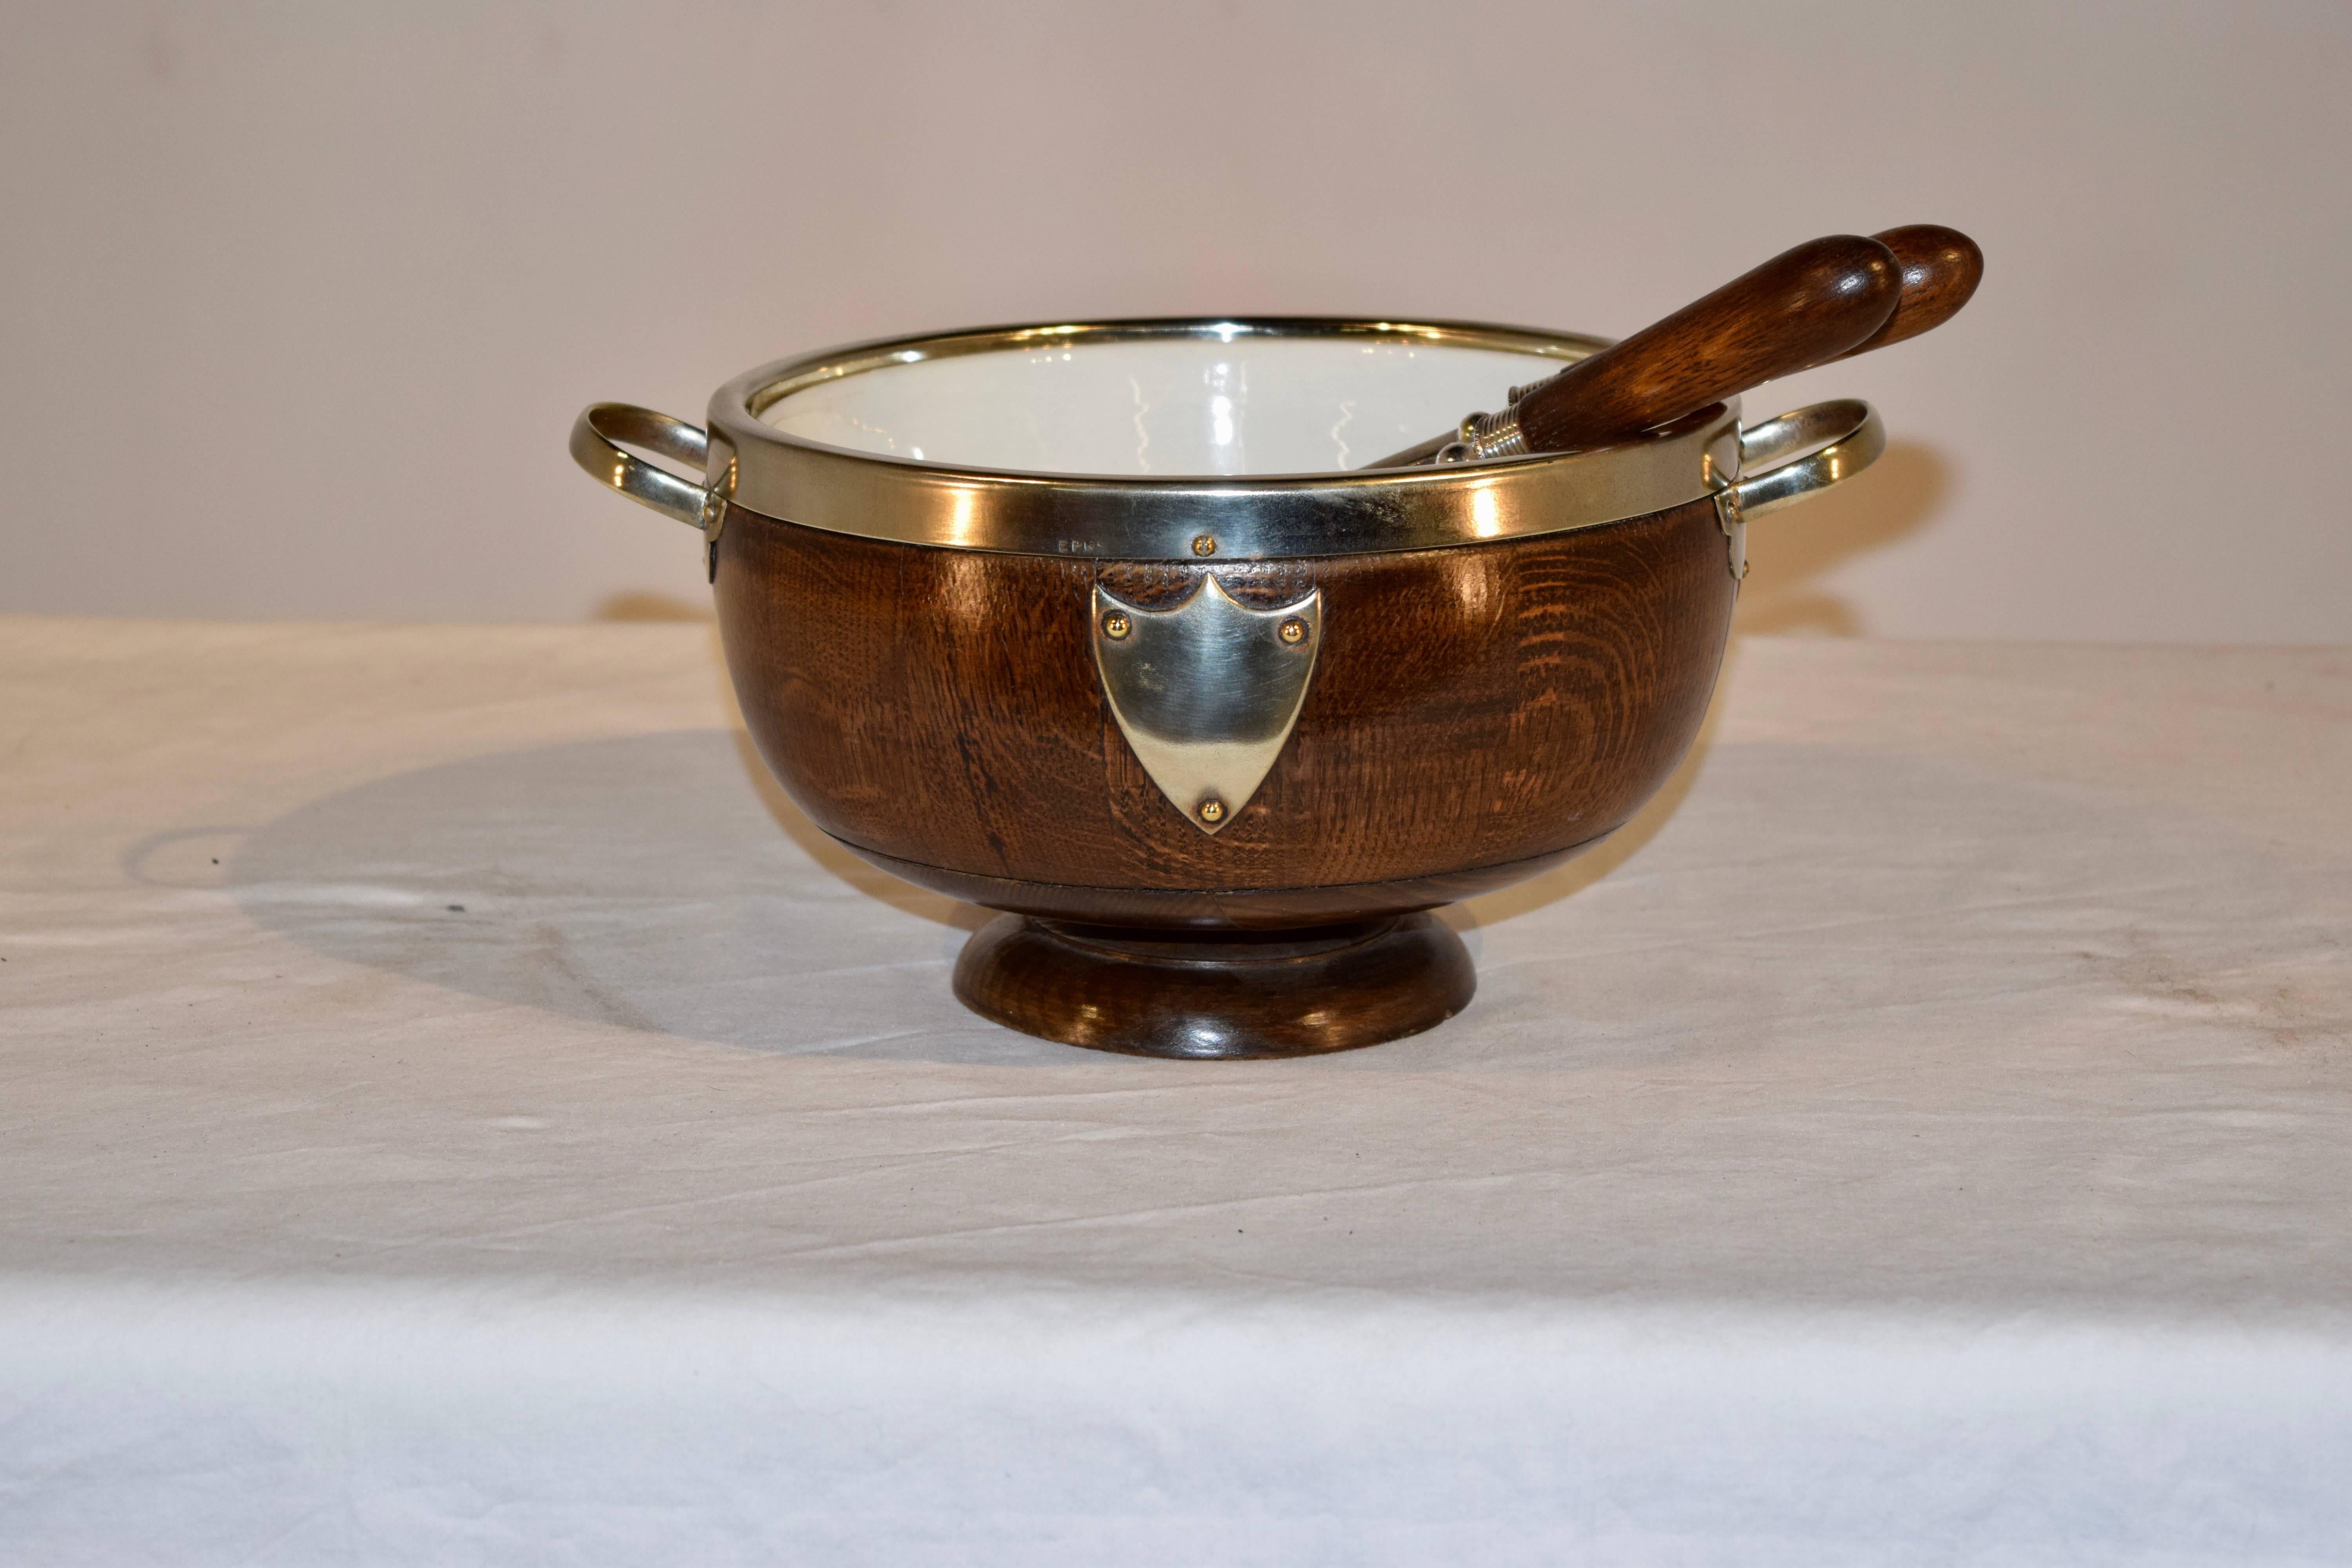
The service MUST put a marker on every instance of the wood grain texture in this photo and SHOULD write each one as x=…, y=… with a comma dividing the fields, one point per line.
x=1941, y=268
x=1293, y=993
x=1471, y=708
x=1806, y=305
x=1210, y=909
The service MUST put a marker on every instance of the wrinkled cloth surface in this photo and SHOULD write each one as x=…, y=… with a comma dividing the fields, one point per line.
x=453, y=1108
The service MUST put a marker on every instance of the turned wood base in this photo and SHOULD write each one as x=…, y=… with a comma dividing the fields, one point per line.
x=1228, y=994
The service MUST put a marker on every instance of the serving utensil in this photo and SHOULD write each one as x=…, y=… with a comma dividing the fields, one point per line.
x=1827, y=298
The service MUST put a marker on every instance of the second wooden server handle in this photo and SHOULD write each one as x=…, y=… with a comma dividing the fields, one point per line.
x=1812, y=303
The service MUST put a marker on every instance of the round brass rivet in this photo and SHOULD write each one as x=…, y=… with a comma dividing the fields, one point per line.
x=1213, y=810
x=1204, y=546
x=1294, y=630
x=1115, y=626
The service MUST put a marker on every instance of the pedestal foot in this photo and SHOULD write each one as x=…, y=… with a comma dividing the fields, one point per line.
x=1216, y=994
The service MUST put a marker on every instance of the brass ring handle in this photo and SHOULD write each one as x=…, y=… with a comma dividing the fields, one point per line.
x=601, y=426
x=1808, y=451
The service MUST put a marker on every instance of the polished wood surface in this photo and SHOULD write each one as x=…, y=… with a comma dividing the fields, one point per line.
x=1941, y=268
x=1479, y=707
x=1806, y=305
x=1290, y=993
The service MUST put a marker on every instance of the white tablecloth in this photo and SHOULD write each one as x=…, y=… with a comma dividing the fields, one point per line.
x=453, y=1110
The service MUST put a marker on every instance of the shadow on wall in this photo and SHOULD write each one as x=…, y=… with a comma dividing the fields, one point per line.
x=1789, y=553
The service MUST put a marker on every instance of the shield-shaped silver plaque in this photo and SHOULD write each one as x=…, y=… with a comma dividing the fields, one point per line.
x=1207, y=693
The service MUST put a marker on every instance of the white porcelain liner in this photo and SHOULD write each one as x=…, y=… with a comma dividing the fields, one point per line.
x=1177, y=406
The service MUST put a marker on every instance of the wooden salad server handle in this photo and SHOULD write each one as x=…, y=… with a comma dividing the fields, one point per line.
x=1804, y=306
x=1824, y=300
x=1941, y=268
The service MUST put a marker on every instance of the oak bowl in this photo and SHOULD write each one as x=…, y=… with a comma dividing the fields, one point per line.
x=1097, y=626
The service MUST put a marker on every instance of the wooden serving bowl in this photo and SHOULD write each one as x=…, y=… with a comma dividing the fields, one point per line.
x=942, y=565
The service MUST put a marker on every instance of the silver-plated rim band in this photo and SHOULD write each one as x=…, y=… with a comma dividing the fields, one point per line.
x=761, y=469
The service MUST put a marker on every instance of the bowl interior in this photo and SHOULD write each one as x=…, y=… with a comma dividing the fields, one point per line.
x=1199, y=405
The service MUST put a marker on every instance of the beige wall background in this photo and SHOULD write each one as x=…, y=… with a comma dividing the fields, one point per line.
x=299, y=300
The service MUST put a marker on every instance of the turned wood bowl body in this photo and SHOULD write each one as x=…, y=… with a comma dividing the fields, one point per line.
x=1476, y=714
x=1476, y=711
x=1105, y=627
